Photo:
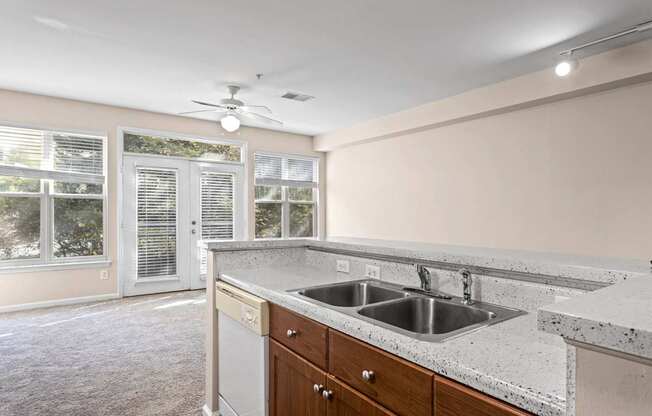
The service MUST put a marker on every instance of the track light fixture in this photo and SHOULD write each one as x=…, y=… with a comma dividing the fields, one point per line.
x=568, y=64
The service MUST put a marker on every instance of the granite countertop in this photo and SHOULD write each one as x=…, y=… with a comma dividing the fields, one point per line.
x=512, y=360
x=618, y=317
x=594, y=269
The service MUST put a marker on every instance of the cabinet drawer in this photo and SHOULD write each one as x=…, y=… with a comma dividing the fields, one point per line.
x=345, y=401
x=400, y=386
x=454, y=399
x=303, y=336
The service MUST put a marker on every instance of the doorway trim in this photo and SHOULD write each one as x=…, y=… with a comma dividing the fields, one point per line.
x=119, y=167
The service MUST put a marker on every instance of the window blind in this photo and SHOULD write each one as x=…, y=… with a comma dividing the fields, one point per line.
x=42, y=154
x=157, y=222
x=217, y=209
x=216, y=206
x=274, y=170
x=78, y=154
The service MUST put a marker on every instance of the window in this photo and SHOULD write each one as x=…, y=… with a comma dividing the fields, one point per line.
x=286, y=195
x=193, y=149
x=52, y=197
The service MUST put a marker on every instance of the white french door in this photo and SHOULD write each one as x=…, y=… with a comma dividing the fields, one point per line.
x=217, y=210
x=171, y=208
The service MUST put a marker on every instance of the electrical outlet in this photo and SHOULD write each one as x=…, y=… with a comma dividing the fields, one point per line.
x=371, y=271
x=343, y=266
x=104, y=275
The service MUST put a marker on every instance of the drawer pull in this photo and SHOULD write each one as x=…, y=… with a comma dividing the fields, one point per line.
x=368, y=375
x=327, y=394
x=291, y=333
x=318, y=388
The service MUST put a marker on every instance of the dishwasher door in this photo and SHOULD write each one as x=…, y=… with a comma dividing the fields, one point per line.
x=243, y=326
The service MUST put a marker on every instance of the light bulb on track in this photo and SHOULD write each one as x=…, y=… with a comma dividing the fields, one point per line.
x=566, y=65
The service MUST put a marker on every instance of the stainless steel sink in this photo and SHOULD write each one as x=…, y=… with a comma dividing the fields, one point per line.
x=351, y=294
x=430, y=317
x=426, y=315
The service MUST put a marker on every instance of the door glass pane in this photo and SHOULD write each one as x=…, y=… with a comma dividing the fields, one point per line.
x=157, y=222
x=216, y=209
x=268, y=220
x=301, y=220
x=78, y=227
x=21, y=227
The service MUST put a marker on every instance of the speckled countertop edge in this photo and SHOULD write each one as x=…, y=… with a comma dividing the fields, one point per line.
x=602, y=270
x=449, y=358
x=618, y=318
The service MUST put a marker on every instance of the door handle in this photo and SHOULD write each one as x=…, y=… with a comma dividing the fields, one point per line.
x=194, y=231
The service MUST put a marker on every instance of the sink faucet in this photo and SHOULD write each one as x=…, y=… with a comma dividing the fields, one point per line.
x=424, y=276
x=466, y=286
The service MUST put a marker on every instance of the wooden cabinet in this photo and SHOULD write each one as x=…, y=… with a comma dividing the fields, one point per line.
x=292, y=381
x=345, y=401
x=454, y=399
x=297, y=389
x=362, y=380
x=399, y=385
x=302, y=335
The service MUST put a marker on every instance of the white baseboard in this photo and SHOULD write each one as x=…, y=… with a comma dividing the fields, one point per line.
x=58, y=302
x=208, y=412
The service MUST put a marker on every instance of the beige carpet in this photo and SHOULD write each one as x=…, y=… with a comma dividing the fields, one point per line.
x=132, y=357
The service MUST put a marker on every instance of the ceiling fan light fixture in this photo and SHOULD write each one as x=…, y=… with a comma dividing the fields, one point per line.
x=230, y=123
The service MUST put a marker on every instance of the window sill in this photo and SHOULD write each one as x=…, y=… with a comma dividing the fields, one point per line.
x=35, y=268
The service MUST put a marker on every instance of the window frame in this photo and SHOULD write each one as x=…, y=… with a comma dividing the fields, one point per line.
x=285, y=201
x=46, y=260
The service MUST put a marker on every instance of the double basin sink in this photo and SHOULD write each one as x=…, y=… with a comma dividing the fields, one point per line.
x=428, y=316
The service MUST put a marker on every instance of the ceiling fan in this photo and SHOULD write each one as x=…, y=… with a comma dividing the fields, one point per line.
x=233, y=109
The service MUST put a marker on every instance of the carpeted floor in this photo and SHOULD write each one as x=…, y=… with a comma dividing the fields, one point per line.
x=132, y=357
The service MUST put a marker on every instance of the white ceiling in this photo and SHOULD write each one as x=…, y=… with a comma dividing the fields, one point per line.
x=360, y=58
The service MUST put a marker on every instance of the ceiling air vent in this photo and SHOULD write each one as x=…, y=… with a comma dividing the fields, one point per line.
x=296, y=96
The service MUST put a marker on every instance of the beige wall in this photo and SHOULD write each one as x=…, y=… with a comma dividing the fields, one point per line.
x=572, y=176
x=608, y=385
x=41, y=111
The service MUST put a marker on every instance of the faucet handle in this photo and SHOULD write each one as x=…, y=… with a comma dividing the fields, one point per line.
x=424, y=276
x=423, y=270
x=466, y=286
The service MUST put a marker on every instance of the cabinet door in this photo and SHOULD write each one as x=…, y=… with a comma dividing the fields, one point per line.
x=344, y=401
x=454, y=399
x=291, y=384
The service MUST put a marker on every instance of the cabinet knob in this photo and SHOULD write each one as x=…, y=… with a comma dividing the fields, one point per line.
x=327, y=394
x=368, y=375
x=318, y=388
x=291, y=333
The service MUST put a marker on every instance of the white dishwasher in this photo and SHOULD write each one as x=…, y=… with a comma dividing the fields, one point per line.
x=243, y=328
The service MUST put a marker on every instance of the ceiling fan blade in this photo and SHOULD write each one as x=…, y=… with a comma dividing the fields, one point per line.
x=219, y=110
x=255, y=107
x=207, y=104
x=259, y=117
